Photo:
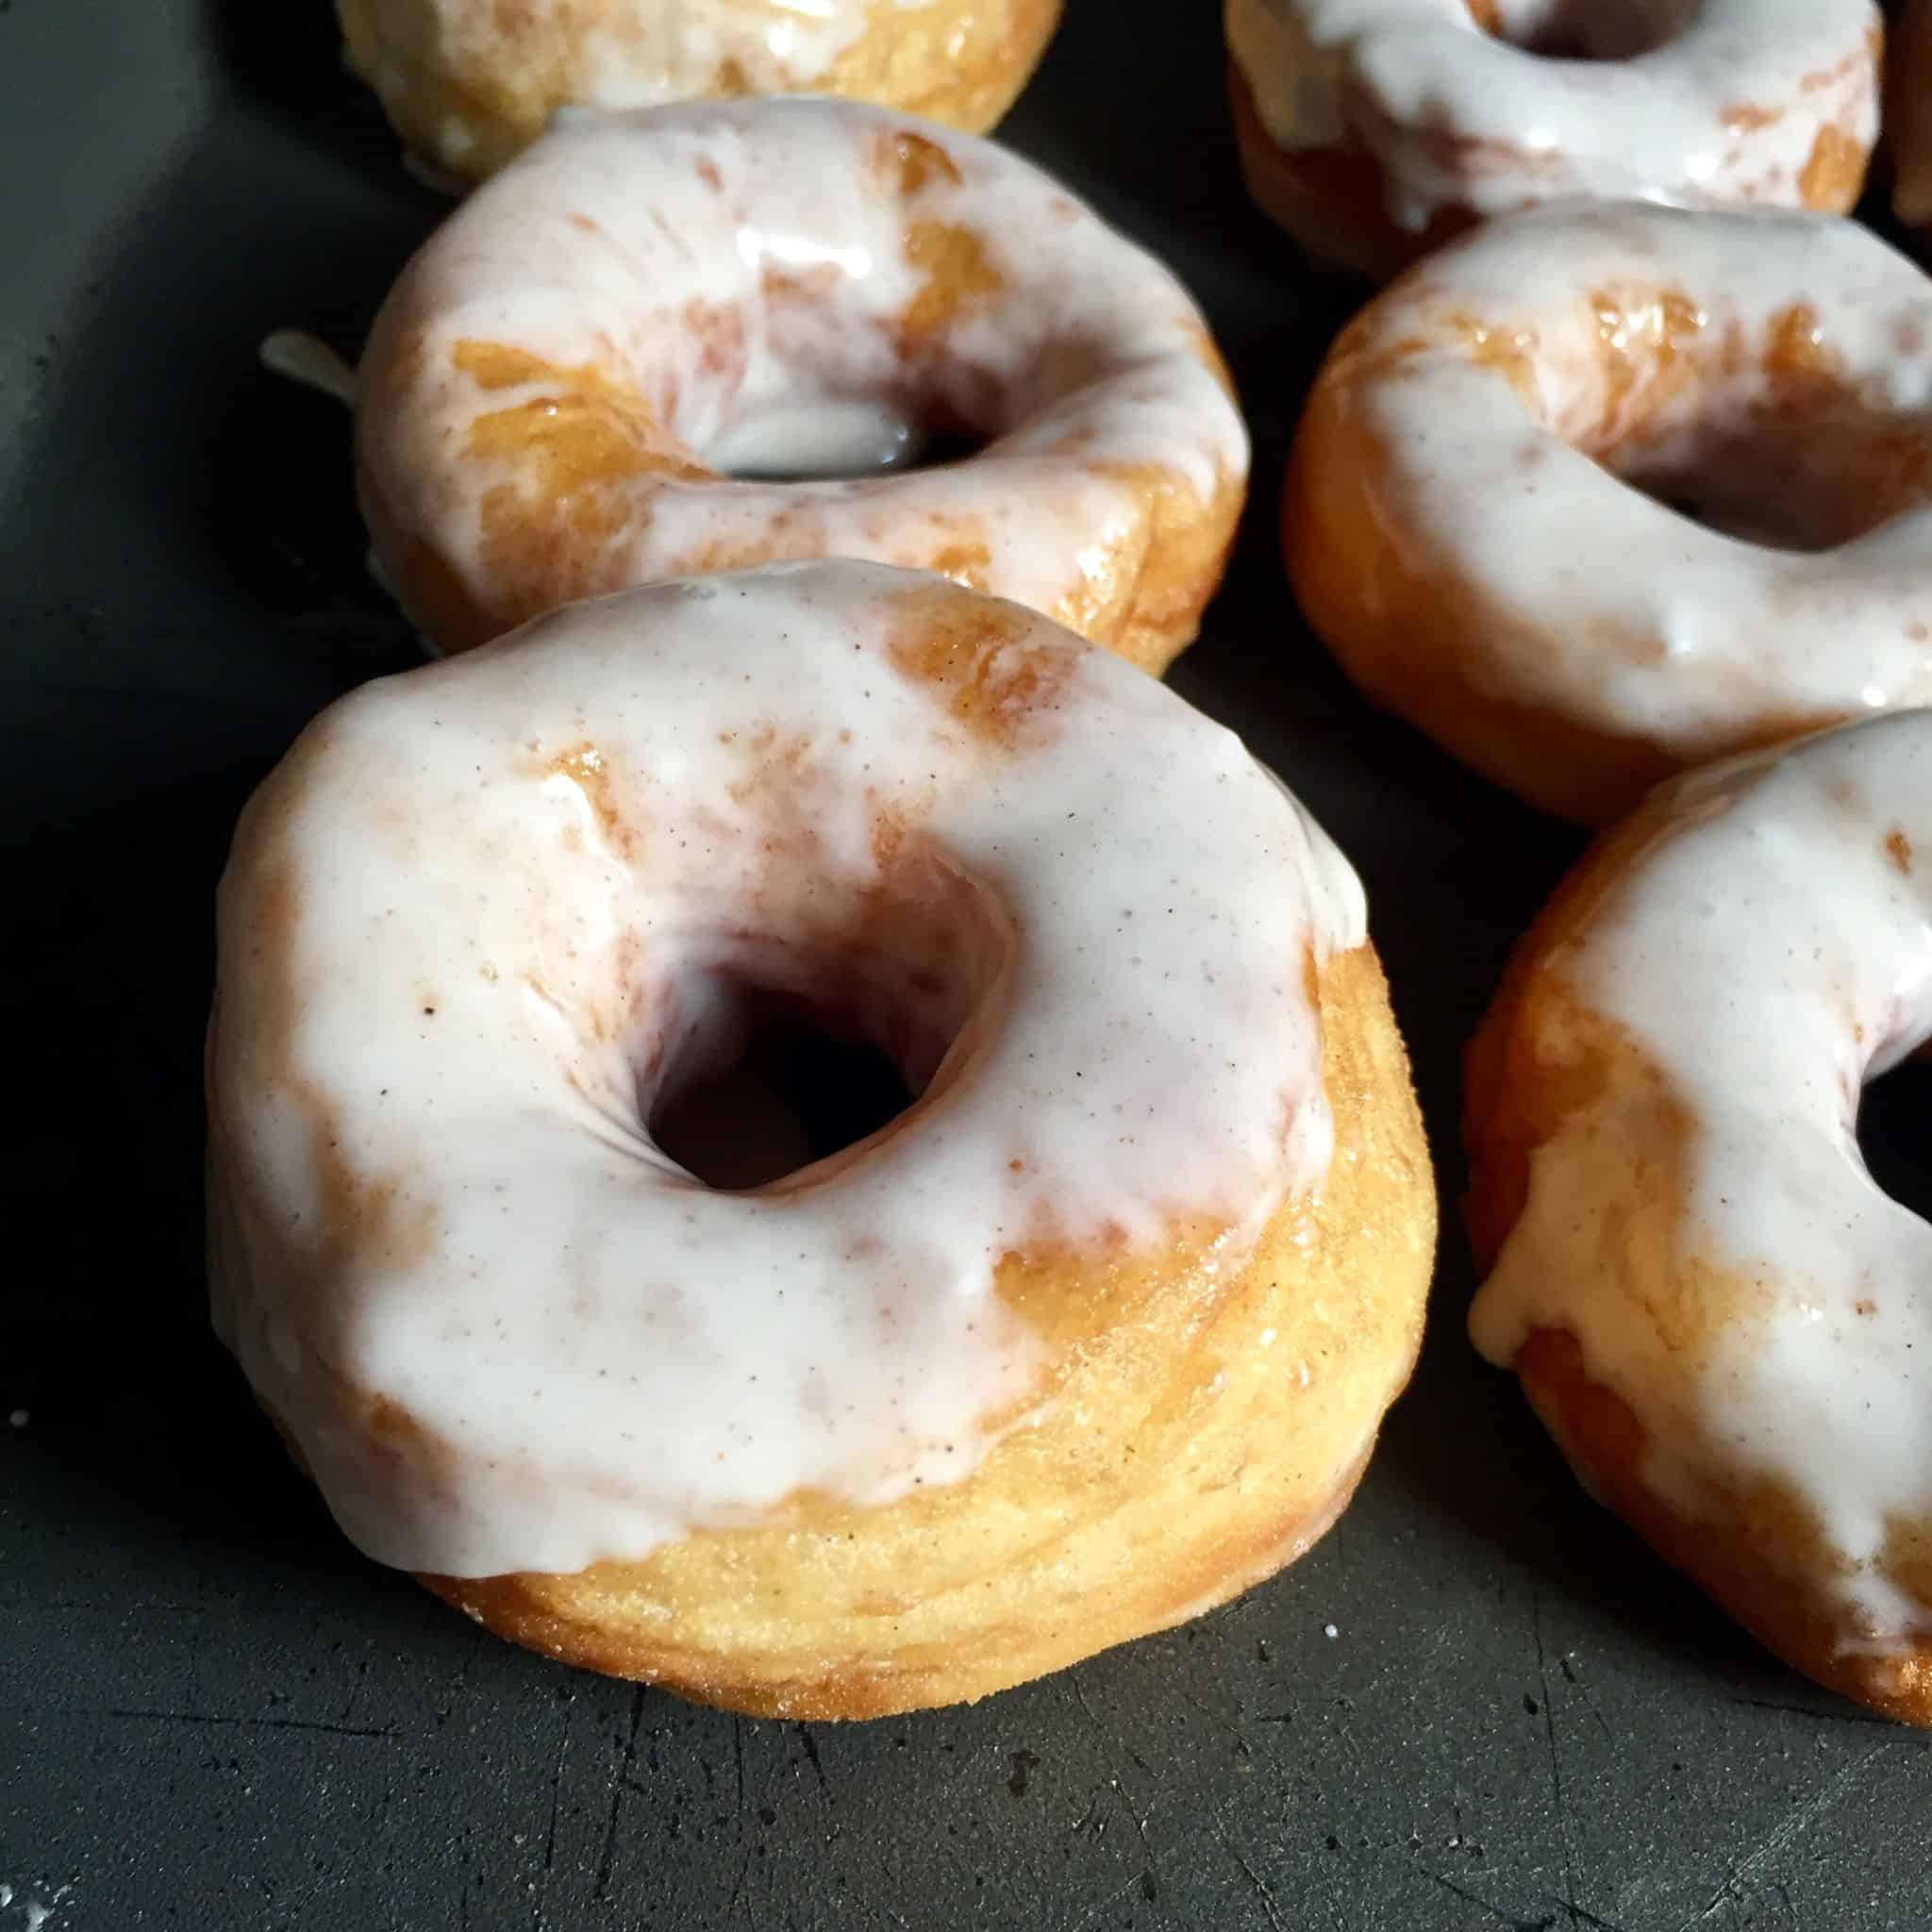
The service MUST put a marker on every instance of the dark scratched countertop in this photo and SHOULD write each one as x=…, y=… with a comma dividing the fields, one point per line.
x=1479, y=1703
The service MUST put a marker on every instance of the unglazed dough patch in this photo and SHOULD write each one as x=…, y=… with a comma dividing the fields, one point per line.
x=1765, y=951
x=1721, y=102
x=486, y=912
x=555, y=384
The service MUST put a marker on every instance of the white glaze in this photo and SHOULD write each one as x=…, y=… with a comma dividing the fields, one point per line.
x=1392, y=76
x=1600, y=604
x=1769, y=952
x=610, y=1354
x=301, y=357
x=802, y=441
x=747, y=266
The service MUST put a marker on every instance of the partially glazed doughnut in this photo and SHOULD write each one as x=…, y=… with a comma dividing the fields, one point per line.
x=1490, y=498
x=1093, y=1336
x=1373, y=129
x=1711, y=1304
x=570, y=386
x=467, y=83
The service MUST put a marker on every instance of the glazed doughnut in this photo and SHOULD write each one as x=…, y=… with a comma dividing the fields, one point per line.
x=1096, y=1334
x=1480, y=518
x=467, y=83
x=556, y=391
x=1909, y=114
x=1713, y=1308
x=1373, y=129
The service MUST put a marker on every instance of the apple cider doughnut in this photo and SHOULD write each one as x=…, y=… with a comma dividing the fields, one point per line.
x=1909, y=114
x=1602, y=491
x=1095, y=1334
x=707, y=336
x=1715, y=1310
x=1375, y=130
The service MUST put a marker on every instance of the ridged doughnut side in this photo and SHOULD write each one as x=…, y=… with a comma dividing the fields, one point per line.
x=468, y=85
x=1202, y=1438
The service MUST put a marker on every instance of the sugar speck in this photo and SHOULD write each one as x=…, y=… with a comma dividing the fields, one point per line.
x=1330, y=1631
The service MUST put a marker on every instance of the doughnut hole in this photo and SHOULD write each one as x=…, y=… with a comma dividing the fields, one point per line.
x=1770, y=442
x=1581, y=29
x=770, y=1058
x=831, y=390
x=1806, y=482
x=800, y=1089
x=1892, y=1135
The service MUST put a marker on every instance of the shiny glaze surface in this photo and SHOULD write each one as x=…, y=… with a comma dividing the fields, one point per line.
x=1484, y=515
x=1458, y=107
x=489, y=915
x=1908, y=112
x=555, y=385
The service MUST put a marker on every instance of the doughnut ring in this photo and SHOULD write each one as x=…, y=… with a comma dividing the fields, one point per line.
x=1371, y=130
x=572, y=384
x=468, y=83
x=1489, y=504
x=1094, y=1335
x=1711, y=1304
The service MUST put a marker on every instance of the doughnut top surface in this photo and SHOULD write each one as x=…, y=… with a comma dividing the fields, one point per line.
x=1491, y=104
x=1661, y=477
x=488, y=916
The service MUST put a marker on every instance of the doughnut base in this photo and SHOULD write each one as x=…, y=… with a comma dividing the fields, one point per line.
x=1142, y=598
x=1744, y=1556
x=1330, y=200
x=1197, y=1444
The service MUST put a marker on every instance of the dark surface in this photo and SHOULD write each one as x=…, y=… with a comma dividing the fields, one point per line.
x=213, y=1713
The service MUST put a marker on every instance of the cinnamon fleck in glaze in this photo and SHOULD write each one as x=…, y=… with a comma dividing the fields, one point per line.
x=490, y=918
x=1599, y=492
x=1371, y=126
x=1710, y=1301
